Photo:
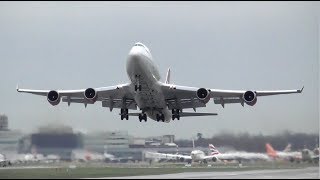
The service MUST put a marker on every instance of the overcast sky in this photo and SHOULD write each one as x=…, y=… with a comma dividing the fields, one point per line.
x=223, y=45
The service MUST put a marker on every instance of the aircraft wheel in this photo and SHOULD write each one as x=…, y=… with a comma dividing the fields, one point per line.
x=145, y=117
x=157, y=117
x=160, y=117
x=175, y=114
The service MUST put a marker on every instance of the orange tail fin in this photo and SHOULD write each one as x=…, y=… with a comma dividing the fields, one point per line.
x=270, y=151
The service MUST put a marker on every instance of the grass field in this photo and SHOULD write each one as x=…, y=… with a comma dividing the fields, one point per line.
x=91, y=172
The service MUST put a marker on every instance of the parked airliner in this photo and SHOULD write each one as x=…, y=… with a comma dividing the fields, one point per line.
x=197, y=155
x=160, y=101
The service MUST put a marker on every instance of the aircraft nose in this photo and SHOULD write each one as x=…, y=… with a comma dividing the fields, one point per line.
x=135, y=51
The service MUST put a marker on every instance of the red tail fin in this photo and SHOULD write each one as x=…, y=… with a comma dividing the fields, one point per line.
x=213, y=150
x=270, y=151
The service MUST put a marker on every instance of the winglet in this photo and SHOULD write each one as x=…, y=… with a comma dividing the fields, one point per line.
x=17, y=88
x=300, y=91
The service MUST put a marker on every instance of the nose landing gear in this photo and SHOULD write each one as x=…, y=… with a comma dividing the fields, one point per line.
x=160, y=117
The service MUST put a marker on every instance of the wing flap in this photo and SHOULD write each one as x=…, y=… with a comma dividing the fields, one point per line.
x=185, y=103
x=130, y=104
x=114, y=103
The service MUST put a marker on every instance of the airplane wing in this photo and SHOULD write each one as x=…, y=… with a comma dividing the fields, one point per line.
x=182, y=97
x=243, y=156
x=167, y=156
x=237, y=156
x=113, y=96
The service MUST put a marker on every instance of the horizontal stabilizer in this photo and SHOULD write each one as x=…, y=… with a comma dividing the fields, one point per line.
x=185, y=114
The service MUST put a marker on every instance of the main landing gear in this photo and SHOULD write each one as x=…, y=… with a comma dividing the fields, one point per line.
x=124, y=114
x=143, y=116
x=176, y=114
x=160, y=117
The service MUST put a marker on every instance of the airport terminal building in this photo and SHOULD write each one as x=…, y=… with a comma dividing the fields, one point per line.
x=8, y=138
x=53, y=139
x=123, y=145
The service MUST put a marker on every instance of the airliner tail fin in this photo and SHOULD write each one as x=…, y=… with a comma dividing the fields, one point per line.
x=168, y=77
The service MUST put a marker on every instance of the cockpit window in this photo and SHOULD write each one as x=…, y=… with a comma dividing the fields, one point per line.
x=138, y=44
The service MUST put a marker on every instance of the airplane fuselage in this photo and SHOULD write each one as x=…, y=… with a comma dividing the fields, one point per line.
x=197, y=155
x=142, y=71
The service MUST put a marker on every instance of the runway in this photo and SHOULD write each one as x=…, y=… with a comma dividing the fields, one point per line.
x=28, y=167
x=305, y=173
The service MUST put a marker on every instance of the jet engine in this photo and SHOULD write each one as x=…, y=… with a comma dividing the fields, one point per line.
x=250, y=98
x=181, y=159
x=90, y=94
x=214, y=159
x=203, y=94
x=53, y=97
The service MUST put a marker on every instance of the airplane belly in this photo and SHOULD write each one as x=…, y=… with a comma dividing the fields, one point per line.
x=150, y=98
x=152, y=102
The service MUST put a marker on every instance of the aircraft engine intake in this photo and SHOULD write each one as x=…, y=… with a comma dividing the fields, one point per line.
x=203, y=94
x=90, y=94
x=250, y=98
x=53, y=98
x=214, y=159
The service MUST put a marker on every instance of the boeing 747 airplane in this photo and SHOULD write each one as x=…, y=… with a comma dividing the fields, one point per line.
x=160, y=101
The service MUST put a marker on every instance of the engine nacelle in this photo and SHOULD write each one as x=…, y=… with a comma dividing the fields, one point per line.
x=181, y=159
x=203, y=94
x=250, y=98
x=53, y=98
x=90, y=94
x=214, y=159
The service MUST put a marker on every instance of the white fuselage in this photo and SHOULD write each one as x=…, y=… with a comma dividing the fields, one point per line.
x=197, y=155
x=142, y=70
x=288, y=155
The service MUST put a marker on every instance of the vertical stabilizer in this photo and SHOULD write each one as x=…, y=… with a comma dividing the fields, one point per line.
x=287, y=148
x=270, y=151
x=168, y=77
x=213, y=150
